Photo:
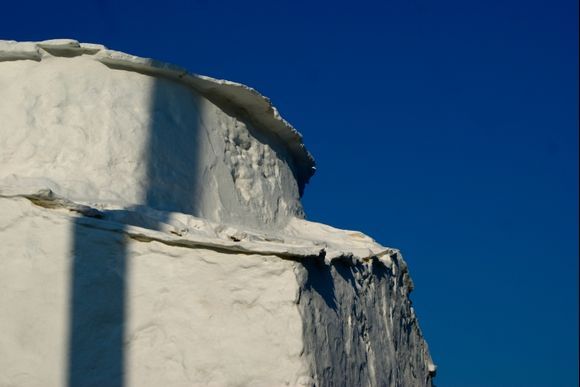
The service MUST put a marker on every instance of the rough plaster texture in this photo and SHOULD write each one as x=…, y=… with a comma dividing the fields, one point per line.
x=106, y=135
x=152, y=235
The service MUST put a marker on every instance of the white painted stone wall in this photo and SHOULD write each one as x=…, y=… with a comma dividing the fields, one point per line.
x=152, y=235
x=98, y=133
x=193, y=316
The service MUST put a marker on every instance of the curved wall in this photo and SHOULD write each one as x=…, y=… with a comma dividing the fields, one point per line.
x=109, y=136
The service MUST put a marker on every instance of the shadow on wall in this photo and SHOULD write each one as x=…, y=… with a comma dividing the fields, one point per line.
x=357, y=326
x=100, y=259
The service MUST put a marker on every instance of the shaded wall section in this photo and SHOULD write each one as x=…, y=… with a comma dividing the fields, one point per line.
x=100, y=268
x=358, y=325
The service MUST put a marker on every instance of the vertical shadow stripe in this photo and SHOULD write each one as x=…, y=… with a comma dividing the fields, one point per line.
x=100, y=259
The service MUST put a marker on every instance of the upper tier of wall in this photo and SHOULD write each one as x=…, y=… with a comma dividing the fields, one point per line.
x=245, y=101
x=103, y=127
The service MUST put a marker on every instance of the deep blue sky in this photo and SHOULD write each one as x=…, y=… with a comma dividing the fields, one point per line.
x=447, y=129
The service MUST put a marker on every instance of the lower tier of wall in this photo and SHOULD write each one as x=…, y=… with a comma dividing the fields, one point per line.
x=85, y=305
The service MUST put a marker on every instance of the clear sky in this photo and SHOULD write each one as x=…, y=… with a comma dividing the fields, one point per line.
x=447, y=129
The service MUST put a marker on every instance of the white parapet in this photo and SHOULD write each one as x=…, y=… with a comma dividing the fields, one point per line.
x=103, y=127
